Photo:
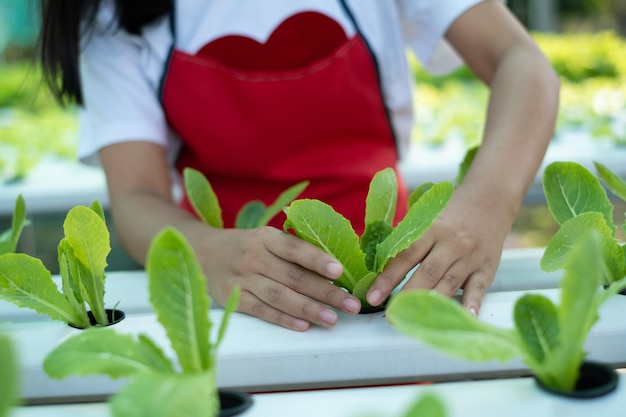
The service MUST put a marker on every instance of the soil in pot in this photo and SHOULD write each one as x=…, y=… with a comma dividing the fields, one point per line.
x=374, y=309
x=595, y=380
x=113, y=316
x=233, y=403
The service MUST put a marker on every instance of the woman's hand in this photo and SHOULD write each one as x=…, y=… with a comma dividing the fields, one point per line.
x=284, y=280
x=462, y=249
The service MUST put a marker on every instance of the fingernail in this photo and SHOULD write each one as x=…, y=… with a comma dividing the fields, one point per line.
x=351, y=305
x=301, y=324
x=329, y=317
x=374, y=297
x=473, y=311
x=334, y=270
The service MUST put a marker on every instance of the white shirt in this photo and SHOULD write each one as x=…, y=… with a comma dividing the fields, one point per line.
x=120, y=73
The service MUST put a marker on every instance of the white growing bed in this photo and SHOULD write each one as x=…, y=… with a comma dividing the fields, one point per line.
x=259, y=357
x=517, y=397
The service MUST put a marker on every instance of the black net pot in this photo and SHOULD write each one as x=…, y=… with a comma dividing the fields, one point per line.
x=368, y=309
x=233, y=402
x=595, y=380
x=113, y=316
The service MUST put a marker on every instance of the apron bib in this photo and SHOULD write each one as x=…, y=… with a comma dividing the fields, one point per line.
x=280, y=113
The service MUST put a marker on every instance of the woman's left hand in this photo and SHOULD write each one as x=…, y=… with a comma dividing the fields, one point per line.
x=462, y=249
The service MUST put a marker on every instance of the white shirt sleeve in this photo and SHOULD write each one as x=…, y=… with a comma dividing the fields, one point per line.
x=424, y=24
x=120, y=101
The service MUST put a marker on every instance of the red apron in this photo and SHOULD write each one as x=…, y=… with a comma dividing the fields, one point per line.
x=259, y=118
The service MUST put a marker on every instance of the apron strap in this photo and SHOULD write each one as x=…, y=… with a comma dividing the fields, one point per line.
x=350, y=15
x=172, y=26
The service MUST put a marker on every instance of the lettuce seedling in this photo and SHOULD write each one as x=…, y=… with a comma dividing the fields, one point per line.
x=253, y=214
x=364, y=257
x=10, y=238
x=548, y=338
x=179, y=296
x=579, y=203
x=82, y=253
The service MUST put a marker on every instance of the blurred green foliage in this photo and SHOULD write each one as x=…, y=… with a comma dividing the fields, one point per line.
x=592, y=68
x=575, y=57
x=579, y=57
x=32, y=124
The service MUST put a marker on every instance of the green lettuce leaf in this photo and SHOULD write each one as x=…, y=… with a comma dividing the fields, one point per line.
x=577, y=311
x=318, y=223
x=572, y=190
x=418, y=219
x=9, y=375
x=613, y=181
x=25, y=282
x=98, y=209
x=168, y=395
x=70, y=285
x=570, y=233
x=282, y=201
x=419, y=191
x=178, y=294
x=537, y=324
x=202, y=197
x=445, y=325
x=10, y=238
x=88, y=235
x=375, y=233
x=105, y=351
x=382, y=198
x=250, y=215
x=361, y=288
x=231, y=305
x=466, y=164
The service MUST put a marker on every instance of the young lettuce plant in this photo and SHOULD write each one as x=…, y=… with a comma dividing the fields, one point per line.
x=10, y=238
x=253, y=214
x=364, y=257
x=82, y=253
x=179, y=296
x=579, y=203
x=548, y=338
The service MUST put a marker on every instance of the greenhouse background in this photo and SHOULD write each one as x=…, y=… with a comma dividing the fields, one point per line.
x=584, y=39
x=19, y=25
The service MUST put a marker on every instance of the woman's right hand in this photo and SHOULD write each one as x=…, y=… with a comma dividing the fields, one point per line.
x=284, y=279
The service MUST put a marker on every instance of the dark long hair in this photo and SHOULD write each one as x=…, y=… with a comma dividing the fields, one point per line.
x=60, y=36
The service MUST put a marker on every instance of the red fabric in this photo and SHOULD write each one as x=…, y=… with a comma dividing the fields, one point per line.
x=289, y=46
x=254, y=133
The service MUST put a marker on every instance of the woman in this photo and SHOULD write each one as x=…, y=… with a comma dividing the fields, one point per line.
x=262, y=95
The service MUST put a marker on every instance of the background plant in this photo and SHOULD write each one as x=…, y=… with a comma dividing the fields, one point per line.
x=253, y=214
x=10, y=237
x=180, y=300
x=82, y=253
x=579, y=203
